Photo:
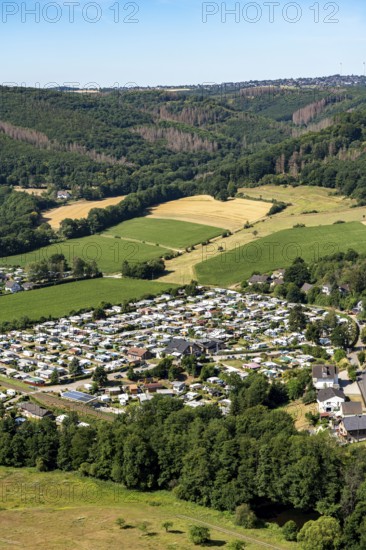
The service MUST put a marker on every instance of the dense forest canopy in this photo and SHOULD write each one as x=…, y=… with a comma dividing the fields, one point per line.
x=109, y=143
x=123, y=142
x=253, y=456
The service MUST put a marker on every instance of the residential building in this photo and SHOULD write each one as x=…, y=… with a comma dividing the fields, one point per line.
x=325, y=376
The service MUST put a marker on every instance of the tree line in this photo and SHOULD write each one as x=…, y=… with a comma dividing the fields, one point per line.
x=253, y=456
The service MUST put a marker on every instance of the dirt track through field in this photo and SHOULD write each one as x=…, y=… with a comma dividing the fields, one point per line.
x=232, y=533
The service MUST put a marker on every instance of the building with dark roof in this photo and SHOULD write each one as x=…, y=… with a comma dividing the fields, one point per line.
x=259, y=280
x=330, y=400
x=31, y=410
x=325, y=376
x=179, y=346
x=353, y=428
x=351, y=408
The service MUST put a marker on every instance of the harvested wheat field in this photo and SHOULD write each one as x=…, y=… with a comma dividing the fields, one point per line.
x=206, y=210
x=77, y=210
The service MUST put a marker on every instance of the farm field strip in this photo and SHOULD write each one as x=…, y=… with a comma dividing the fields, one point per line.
x=77, y=210
x=302, y=198
x=279, y=249
x=204, y=209
x=184, y=268
x=131, y=240
x=174, y=234
x=61, y=300
x=109, y=254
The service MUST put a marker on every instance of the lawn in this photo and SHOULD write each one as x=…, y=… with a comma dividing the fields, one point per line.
x=60, y=300
x=109, y=253
x=51, y=511
x=171, y=233
x=279, y=250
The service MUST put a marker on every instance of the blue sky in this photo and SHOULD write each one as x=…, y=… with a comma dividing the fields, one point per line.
x=178, y=41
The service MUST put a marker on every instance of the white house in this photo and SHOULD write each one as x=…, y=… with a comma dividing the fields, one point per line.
x=63, y=194
x=325, y=376
x=330, y=400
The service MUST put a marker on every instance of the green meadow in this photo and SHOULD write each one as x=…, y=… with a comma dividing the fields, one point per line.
x=60, y=300
x=109, y=253
x=61, y=510
x=279, y=250
x=170, y=233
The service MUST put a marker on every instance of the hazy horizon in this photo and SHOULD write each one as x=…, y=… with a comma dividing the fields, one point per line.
x=176, y=42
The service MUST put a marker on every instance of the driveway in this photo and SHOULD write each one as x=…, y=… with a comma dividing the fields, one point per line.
x=351, y=389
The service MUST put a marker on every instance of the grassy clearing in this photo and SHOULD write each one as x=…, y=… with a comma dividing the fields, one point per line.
x=237, y=363
x=302, y=198
x=51, y=511
x=297, y=410
x=171, y=233
x=108, y=253
x=58, y=301
x=204, y=209
x=279, y=250
x=77, y=210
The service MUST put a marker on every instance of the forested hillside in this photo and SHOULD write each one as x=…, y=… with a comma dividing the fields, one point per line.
x=334, y=157
x=196, y=141
x=118, y=142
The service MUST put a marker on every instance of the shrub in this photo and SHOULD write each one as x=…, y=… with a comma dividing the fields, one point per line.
x=276, y=208
x=245, y=517
x=289, y=530
x=199, y=534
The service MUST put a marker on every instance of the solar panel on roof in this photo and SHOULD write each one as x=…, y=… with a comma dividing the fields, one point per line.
x=78, y=396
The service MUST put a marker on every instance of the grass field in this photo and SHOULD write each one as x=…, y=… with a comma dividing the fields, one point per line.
x=171, y=233
x=204, y=209
x=62, y=511
x=77, y=210
x=297, y=410
x=109, y=253
x=302, y=198
x=279, y=250
x=58, y=301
